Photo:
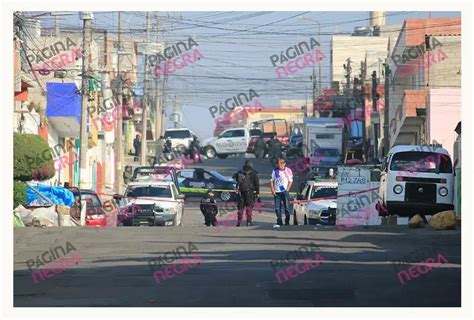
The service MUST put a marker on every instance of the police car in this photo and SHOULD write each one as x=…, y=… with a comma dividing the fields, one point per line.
x=196, y=182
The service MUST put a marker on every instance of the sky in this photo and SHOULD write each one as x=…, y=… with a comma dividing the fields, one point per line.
x=236, y=49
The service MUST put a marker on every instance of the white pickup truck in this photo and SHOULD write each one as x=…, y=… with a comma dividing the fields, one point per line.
x=231, y=141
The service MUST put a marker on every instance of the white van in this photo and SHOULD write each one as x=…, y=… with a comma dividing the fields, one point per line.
x=416, y=180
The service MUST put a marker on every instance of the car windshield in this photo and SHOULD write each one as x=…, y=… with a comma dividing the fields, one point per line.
x=218, y=175
x=91, y=199
x=430, y=162
x=178, y=134
x=327, y=152
x=149, y=191
x=158, y=173
x=324, y=192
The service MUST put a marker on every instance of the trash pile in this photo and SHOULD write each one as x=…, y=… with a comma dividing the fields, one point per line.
x=45, y=207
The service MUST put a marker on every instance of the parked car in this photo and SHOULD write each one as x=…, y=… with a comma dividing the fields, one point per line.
x=320, y=203
x=416, y=179
x=153, y=203
x=196, y=182
x=95, y=213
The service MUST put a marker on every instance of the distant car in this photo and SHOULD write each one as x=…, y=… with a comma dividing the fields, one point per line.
x=320, y=203
x=95, y=213
x=152, y=203
x=180, y=138
x=196, y=182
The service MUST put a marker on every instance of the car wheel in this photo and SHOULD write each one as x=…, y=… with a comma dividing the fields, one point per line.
x=222, y=156
x=210, y=153
x=225, y=196
x=305, y=220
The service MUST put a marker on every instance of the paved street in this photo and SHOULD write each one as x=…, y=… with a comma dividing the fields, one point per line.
x=236, y=271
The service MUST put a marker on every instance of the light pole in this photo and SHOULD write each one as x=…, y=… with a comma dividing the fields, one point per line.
x=319, y=40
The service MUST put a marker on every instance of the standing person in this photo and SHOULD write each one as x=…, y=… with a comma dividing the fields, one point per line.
x=260, y=147
x=280, y=184
x=209, y=209
x=159, y=150
x=247, y=184
x=137, y=144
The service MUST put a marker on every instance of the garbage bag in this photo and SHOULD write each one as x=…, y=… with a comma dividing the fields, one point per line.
x=25, y=215
x=17, y=222
x=46, y=217
x=58, y=195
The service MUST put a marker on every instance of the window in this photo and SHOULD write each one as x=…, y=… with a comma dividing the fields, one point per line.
x=149, y=191
x=91, y=199
x=306, y=193
x=429, y=162
x=178, y=134
x=233, y=134
x=187, y=174
x=324, y=136
x=324, y=192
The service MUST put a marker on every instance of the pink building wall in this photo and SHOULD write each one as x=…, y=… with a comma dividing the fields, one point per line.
x=442, y=115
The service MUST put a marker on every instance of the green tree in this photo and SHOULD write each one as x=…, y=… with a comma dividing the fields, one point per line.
x=32, y=158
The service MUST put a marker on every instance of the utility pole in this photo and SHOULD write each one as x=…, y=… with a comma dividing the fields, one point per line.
x=86, y=43
x=175, y=111
x=348, y=74
x=164, y=101
x=146, y=93
x=386, y=137
x=314, y=91
x=374, y=91
x=159, y=117
x=118, y=133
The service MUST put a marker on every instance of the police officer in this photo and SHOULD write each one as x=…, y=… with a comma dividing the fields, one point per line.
x=209, y=209
x=260, y=148
x=248, y=183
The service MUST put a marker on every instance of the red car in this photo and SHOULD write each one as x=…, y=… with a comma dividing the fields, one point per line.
x=95, y=212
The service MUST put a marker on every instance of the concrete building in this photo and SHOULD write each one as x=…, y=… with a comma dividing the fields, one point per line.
x=425, y=86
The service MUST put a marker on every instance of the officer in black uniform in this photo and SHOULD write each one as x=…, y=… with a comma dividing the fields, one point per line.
x=209, y=209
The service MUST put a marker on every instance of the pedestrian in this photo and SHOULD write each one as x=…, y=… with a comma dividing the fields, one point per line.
x=160, y=146
x=137, y=145
x=209, y=209
x=127, y=174
x=275, y=150
x=247, y=185
x=194, y=150
x=280, y=184
x=260, y=147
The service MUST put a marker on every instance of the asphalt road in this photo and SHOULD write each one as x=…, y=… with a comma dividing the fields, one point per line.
x=235, y=270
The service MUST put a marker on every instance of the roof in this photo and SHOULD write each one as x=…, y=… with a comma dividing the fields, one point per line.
x=323, y=183
x=150, y=183
x=420, y=148
x=177, y=129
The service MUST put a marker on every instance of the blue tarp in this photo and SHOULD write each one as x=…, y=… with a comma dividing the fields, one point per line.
x=58, y=195
x=63, y=100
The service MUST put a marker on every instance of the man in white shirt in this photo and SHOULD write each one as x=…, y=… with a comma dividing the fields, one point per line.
x=280, y=184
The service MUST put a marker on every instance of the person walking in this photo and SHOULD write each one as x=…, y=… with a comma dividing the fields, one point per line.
x=247, y=184
x=280, y=184
x=137, y=144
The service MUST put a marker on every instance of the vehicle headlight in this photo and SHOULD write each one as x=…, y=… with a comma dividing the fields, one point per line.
x=398, y=189
x=443, y=191
x=315, y=212
x=169, y=210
